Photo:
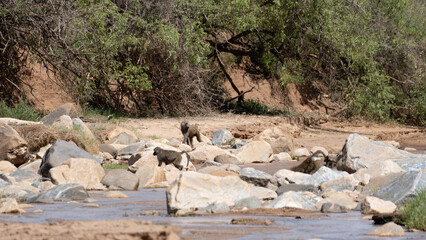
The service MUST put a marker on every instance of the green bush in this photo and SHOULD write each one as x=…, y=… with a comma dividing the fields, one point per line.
x=413, y=215
x=21, y=111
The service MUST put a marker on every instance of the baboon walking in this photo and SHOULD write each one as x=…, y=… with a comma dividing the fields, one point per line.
x=169, y=156
x=189, y=132
x=312, y=163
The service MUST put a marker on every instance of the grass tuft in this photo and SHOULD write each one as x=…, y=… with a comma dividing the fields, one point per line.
x=22, y=111
x=413, y=215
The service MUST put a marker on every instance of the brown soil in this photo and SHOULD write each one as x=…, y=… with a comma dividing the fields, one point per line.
x=118, y=229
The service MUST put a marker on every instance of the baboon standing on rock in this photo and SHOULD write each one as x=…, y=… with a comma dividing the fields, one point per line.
x=312, y=163
x=189, y=131
x=169, y=156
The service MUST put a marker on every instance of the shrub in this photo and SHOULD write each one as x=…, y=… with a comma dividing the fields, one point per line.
x=413, y=215
x=21, y=111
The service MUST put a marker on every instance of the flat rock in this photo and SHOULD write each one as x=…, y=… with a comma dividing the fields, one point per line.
x=280, y=157
x=194, y=190
x=11, y=206
x=262, y=193
x=132, y=148
x=380, y=169
x=123, y=138
x=291, y=176
x=296, y=188
x=301, y=152
x=64, y=192
x=348, y=182
x=25, y=175
x=388, y=230
x=206, y=153
x=227, y=158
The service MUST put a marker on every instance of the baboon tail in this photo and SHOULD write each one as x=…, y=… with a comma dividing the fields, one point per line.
x=199, y=137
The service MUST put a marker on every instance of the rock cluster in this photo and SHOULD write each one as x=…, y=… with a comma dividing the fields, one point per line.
x=371, y=177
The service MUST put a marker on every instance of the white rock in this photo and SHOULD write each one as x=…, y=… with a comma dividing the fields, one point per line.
x=302, y=200
x=373, y=205
x=255, y=151
x=294, y=177
x=301, y=152
x=280, y=157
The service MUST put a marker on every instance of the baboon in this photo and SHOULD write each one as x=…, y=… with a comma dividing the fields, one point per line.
x=169, y=156
x=312, y=163
x=189, y=132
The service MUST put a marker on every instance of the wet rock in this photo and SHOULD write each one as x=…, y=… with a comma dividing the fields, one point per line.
x=297, y=188
x=64, y=192
x=11, y=206
x=206, y=153
x=291, y=177
x=25, y=175
x=247, y=203
x=333, y=208
x=66, y=109
x=322, y=175
x=359, y=152
x=388, y=230
x=63, y=121
x=262, y=193
x=123, y=138
x=302, y=200
x=115, y=194
x=121, y=179
x=348, y=182
x=301, y=152
x=222, y=137
x=255, y=177
x=86, y=172
x=227, y=158
x=58, y=153
x=403, y=188
x=132, y=148
x=279, y=138
x=31, y=166
x=192, y=189
x=7, y=167
x=216, y=207
x=373, y=205
x=13, y=148
x=251, y=221
x=280, y=157
x=255, y=151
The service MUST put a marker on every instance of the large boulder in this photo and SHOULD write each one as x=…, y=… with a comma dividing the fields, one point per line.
x=403, y=188
x=222, y=137
x=280, y=157
x=66, y=109
x=123, y=138
x=296, y=188
x=206, y=153
x=348, y=182
x=150, y=174
x=194, y=190
x=25, y=175
x=279, y=138
x=13, y=148
x=416, y=162
x=302, y=200
x=132, y=148
x=301, y=152
x=58, y=153
x=359, y=152
x=254, y=176
x=379, y=169
x=255, y=151
x=83, y=171
x=262, y=193
x=346, y=200
x=120, y=178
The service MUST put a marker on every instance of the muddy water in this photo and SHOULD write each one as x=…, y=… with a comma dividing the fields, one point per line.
x=150, y=205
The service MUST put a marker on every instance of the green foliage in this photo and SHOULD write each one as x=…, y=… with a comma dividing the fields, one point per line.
x=22, y=111
x=115, y=166
x=254, y=107
x=413, y=215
